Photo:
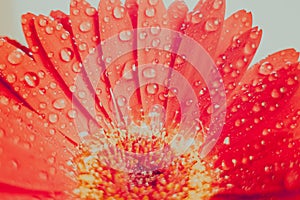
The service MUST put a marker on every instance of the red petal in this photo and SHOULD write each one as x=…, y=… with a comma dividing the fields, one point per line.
x=38, y=87
x=33, y=156
x=234, y=26
x=205, y=23
x=257, y=143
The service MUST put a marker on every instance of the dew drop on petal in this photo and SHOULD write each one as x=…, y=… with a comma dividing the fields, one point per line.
x=152, y=88
x=211, y=25
x=150, y=12
x=66, y=54
x=85, y=26
x=149, y=72
x=275, y=94
x=2, y=66
x=43, y=175
x=121, y=101
x=265, y=68
x=11, y=78
x=72, y=114
x=118, y=12
x=42, y=22
x=155, y=42
x=76, y=67
x=153, y=2
x=15, y=57
x=90, y=11
x=125, y=35
x=155, y=30
x=49, y=30
x=59, y=104
x=53, y=118
x=31, y=79
x=196, y=17
x=2, y=133
x=217, y=4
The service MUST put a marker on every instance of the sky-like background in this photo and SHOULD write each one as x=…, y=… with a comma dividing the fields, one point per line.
x=279, y=19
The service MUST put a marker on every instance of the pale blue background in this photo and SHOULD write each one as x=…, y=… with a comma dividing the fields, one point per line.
x=279, y=19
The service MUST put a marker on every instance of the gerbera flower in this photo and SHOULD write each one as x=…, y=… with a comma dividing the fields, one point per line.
x=139, y=101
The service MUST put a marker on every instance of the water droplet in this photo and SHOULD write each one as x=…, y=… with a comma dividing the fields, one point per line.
x=11, y=78
x=2, y=133
x=153, y=2
x=265, y=68
x=82, y=47
x=196, y=17
x=121, y=101
x=81, y=94
x=143, y=35
x=172, y=92
x=217, y=4
x=66, y=54
x=31, y=79
x=189, y=102
x=53, y=118
x=75, y=12
x=53, y=85
x=65, y=35
x=59, y=27
x=152, y=88
x=155, y=42
x=76, y=67
x=43, y=176
x=42, y=22
x=150, y=12
x=118, y=12
x=125, y=35
x=85, y=27
x=155, y=30
x=15, y=57
x=275, y=94
x=212, y=25
x=72, y=114
x=2, y=66
x=49, y=30
x=90, y=11
x=149, y=72
x=249, y=48
x=59, y=104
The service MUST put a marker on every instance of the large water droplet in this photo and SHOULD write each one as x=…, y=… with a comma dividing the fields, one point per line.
x=118, y=12
x=42, y=22
x=59, y=104
x=85, y=26
x=196, y=17
x=15, y=57
x=155, y=42
x=90, y=11
x=265, y=68
x=125, y=35
x=150, y=12
x=53, y=118
x=155, y=30
x=72, y=114
x=2, y=66
x=152, y=88
x=212, y=25
x=11, y=78
x=66, y=54
x=76, y=67
x=121, y=101
x=275, y=94
x=31, y=79
x=149, y=72
x=49, y=30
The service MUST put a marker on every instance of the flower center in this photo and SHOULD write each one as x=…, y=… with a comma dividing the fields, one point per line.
x=100, y=177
